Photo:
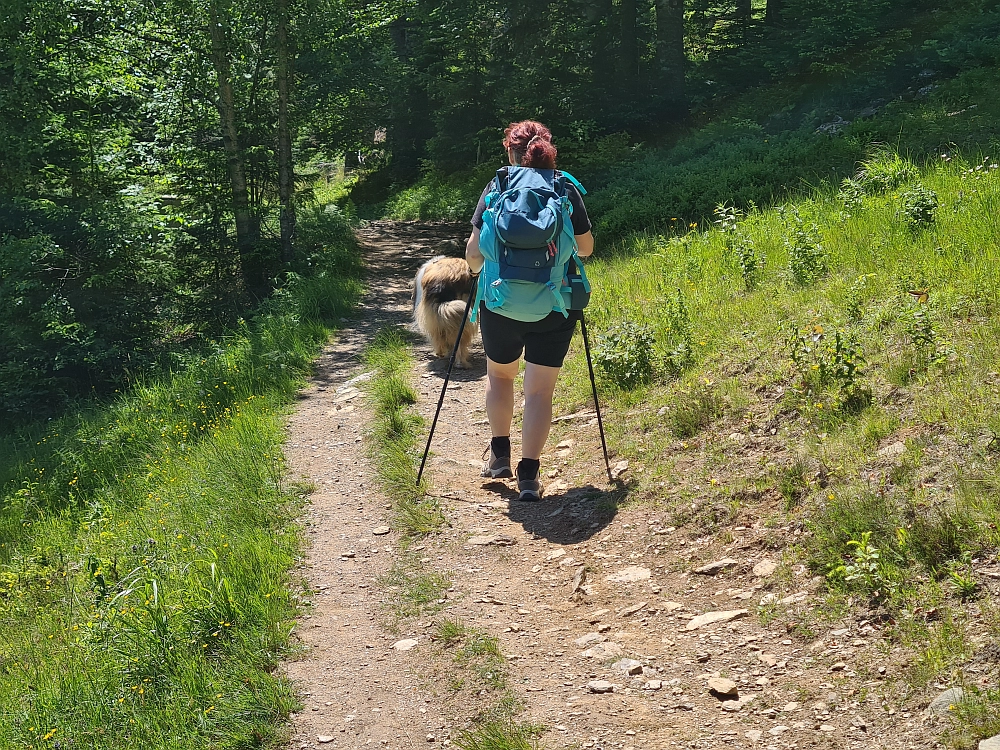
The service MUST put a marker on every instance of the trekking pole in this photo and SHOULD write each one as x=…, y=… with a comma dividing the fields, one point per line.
x=597, y=405
x=447, y=377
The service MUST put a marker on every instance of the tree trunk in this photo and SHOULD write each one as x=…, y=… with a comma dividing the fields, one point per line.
x=772, y=15
x=744, y=16
x=286, y=169
x=246, y=237
x=671, y=61
x=629, y=49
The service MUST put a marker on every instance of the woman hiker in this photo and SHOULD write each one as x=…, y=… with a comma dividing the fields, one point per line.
x=543, y=339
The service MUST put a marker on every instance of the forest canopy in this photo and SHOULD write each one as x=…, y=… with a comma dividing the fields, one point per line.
x=160, y=159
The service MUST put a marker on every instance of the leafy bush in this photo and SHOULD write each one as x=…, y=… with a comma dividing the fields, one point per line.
x=625, y=354
x=807, y=260
x=919, y=205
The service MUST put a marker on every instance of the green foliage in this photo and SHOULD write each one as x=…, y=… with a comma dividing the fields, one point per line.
x=394, y=434
x=792, y=484
x=883, y=172
x=626, y=354
x=807, y=260
x=919, y=206
x=822, y=363
x=693, y=409
x=145, y=550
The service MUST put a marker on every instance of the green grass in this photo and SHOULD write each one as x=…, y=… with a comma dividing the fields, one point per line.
x=146, y=546
x=393, y=440
x=480, y=669
x=411, y=590
x=884, y=366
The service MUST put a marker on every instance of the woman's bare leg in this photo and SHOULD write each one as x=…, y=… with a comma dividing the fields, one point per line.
x=500, y=396
x=539, y=385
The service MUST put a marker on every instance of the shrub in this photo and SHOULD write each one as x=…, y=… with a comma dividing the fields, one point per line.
x=625, y=354
x=806, y=256
x=919, y=206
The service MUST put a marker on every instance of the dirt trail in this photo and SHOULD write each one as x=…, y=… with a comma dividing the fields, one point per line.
x=632, y=621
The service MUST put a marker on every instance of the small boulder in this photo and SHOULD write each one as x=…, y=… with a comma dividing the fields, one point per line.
x=631, y=610
x=628, y=666
x=764, y=569
x=941, y=705
x=723, y=688
x=714, y=568
x=993, y=743
x=589, y=640
x=600, y=686
x=404, y=645
x=712, y=618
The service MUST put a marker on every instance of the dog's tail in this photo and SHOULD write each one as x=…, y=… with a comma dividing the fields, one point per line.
x=452, y=312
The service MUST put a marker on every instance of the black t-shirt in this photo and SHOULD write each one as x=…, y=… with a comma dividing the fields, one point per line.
x=581, y=221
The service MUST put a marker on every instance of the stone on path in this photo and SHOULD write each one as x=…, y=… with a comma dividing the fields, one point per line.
x=712, y=618
x=769, y=660
x=555, y=555
x=764, y=568
x=631, y=610
x=671, y=606
x=404, y=645
x=993, y=743
x=604, y=650
x=734, y=706
x=595, y=617
x=324, y=739
x=381, y=530
x=653, y=685
x=589, y=640
x=892, y=450
x=754, y=735
x=600, y=686
x=780, y=729
x=631, y=574
x=714, y=568
x=941, y=705
x=628, y=666
x=497, y=539
x=618, y=469
x=720, y=687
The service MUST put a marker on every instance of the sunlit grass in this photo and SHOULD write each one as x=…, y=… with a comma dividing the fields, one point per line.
x=145, y=550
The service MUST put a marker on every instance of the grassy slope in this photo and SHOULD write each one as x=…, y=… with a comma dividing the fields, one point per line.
x=145, y=546
x=932, y=510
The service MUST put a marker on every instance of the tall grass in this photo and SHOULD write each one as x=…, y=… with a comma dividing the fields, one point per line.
x=394, y=436
x=941, y=350
x=146, y=544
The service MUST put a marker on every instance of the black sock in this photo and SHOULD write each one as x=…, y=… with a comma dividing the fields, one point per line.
x=527, y=468
x=500, y=446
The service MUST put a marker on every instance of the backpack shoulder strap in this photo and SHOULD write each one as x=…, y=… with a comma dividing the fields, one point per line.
x=502, y=179
x=576, y=182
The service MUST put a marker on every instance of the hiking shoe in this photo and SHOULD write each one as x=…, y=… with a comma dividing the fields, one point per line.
x=494, y=466
x=529, y=490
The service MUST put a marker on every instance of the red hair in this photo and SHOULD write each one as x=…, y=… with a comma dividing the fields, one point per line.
x=531, y=143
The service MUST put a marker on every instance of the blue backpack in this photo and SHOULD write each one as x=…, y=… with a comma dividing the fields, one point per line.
x=527, y=240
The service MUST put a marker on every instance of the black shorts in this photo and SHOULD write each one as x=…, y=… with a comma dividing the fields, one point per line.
x=544, y=342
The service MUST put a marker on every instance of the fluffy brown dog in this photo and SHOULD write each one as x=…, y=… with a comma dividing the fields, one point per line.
x=441, y=290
